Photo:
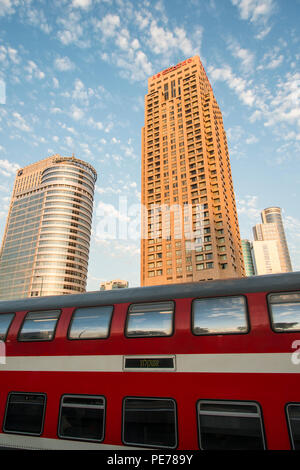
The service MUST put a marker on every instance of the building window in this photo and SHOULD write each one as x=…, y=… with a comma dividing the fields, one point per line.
x=285, y=311
x=220, y=315
x=90, y=323
x=293, y=416
x=150, y=422
x=25, y=413
x=229, y=425
x=39, y=326
x=151, y=319
x=82, y=417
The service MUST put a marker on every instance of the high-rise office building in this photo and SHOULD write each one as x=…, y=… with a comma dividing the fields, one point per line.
x=248, y=260
x=266, y=257
x=272, y=228
x=45, y=247
x=190, y=229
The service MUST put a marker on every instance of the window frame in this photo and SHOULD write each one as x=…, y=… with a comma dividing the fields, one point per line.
x=220, y=333
x=39, y=340
x=150, y=336
x=269, y=308
x=90, y=339
x=151, y=446
x=230, y=402
x=43, y=415
x=291, y=437
x=10, y=323
x=74, y=395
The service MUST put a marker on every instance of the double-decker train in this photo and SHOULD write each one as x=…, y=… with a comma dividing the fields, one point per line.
x=212, y=365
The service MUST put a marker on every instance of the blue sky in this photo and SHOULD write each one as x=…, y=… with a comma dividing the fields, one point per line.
x=73, y=75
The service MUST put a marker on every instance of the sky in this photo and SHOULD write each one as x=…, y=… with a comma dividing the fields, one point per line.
x=73, y=76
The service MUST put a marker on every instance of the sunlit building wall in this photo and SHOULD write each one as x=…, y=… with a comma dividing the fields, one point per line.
x=190, y=229
x=45, y=248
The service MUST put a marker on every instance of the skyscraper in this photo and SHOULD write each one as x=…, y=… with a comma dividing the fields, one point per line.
x=272, y=228
x=190, y=229
x=248, y=260
x=45, y=247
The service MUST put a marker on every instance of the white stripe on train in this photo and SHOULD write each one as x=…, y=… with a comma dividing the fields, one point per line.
x=268, y=363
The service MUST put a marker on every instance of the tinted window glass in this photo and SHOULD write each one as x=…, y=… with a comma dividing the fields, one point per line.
x=219, y=315
x=5, y=321
x=230, y=426
x=285, y=311
x=39, y=326
x=25, y=413
x=153, y=319
x=91, y=323
x=82, y=417
x=293, y=414
x=149, y=422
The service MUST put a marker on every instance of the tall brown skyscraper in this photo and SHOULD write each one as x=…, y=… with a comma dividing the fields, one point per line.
x=190, y=229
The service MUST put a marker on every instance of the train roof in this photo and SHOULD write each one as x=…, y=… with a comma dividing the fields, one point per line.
x=267, y=283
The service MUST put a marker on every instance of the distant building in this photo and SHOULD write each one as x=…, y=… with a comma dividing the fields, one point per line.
x=45, y=247
x=271, y=229
x=266, y=257
x=248, y=260
x=115, y=284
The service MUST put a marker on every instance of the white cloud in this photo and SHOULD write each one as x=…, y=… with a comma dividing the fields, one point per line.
x=6, y=7
x=33, y=71
x=8, y=168
x=84, y=4
x=237, y=84
x=254, y=10
x=20, y=123
x=77, y=113
x=164, y=41
x=108, y=25
x=63, y=64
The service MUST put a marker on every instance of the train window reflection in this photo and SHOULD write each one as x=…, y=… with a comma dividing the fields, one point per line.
x=285, y=311
x=230, y=426
x=5, y=321
x=151, y=319
x=25, y=413
x=149, y=422
x=91, y=323
x=220, y=315
x=82, y=417
x=39, y=326
x=293, y=415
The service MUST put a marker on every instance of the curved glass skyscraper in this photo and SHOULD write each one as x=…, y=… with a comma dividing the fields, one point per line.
x=45, y=247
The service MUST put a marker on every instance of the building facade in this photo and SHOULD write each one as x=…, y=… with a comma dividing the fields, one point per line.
x=248, y=259
x=45, y=248
x=115, y=284
x=270, y=229
x=266, y=257
x=190, y=229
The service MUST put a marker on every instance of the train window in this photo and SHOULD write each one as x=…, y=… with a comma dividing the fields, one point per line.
x=220, y=315
x=150, y=422
x=5, y=321
x=39, y=326
x=293, y=415
x=151, y=319
x=285, y=311
x=230, y=426
x=25, y=413
x=91, y=323
x=82, y=417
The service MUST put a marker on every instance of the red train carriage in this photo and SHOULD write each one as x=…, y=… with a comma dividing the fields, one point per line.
x=191, y=366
